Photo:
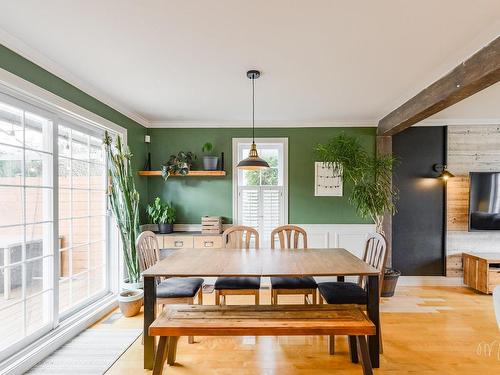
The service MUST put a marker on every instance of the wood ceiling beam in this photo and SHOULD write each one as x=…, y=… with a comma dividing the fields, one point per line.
x=475, y=74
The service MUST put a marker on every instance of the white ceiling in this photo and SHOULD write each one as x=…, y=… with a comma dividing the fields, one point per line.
x=324, y=62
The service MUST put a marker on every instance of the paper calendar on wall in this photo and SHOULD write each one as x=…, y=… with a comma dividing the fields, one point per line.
x=327, y=180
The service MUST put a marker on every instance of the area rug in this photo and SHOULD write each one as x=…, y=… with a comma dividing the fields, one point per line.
x=92, y=352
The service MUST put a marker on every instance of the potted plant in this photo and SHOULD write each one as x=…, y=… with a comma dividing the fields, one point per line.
x=163, y=214
x=124, y=202
x=210, y=161
x=178, y=164
x=371, y=177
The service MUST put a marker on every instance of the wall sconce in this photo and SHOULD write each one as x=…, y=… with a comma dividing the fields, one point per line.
x=444, y=174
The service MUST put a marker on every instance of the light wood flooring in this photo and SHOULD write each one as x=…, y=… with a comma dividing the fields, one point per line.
x=427, y=330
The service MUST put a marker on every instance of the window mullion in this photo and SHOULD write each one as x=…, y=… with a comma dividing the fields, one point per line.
x=56, y=262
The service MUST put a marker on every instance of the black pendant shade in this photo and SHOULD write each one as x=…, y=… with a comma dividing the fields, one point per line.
x=253, y=161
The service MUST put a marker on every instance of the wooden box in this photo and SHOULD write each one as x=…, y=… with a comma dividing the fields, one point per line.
x=211, y=225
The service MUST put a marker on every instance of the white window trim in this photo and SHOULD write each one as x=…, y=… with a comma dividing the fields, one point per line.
x=237, y=141
x=42, y=101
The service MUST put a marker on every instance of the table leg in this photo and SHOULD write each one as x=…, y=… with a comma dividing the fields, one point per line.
x=149, y=317
x=372, y=304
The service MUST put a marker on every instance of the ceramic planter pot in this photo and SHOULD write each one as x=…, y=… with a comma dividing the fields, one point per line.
x=210, y=163
x=165, y=228
x=130, y=302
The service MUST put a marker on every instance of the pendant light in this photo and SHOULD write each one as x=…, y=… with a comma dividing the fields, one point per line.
x=253, y=162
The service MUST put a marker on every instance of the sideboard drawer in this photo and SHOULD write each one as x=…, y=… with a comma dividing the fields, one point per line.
x=178, y=242
x=201, y=242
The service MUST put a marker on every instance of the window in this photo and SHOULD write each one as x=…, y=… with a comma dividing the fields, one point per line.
x=52, y=171
x=261, y=195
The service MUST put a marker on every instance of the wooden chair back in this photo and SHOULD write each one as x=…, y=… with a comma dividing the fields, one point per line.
x=375, y=255
x=285, y=234
x=148, y=250
x=239, y=237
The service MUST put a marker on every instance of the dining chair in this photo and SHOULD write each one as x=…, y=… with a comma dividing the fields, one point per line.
x=340, y=293
x=238, y=237
x=175, y=290
x=289, y=237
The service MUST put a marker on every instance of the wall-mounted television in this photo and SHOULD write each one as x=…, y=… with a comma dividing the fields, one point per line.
x=484, y=201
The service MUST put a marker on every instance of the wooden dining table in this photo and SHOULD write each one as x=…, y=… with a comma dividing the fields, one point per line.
x=260, y=262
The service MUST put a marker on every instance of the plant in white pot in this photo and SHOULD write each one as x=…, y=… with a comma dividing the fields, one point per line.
x=372, y=192
x=124, y=201
x=210, y=161
x=163, y=214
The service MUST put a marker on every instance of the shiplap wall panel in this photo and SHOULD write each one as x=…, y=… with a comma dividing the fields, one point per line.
x=474, y=148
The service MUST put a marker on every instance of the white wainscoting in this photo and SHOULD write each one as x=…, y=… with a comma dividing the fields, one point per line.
x=349, y=236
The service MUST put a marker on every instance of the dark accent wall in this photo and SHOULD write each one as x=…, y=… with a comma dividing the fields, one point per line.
x=418, y=226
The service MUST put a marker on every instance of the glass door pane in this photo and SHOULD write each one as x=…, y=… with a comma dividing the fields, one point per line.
x=26, y=232
x=82, y=218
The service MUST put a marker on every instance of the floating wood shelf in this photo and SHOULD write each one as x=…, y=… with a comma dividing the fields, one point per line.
x=190, y=174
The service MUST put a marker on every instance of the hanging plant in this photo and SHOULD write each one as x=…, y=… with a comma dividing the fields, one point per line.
x=371, y=176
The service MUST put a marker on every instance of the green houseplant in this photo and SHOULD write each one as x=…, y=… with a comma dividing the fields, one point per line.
x=372, y=194
x=163, y=214
x=124, y=201
x=210, y=161
x=178, y=164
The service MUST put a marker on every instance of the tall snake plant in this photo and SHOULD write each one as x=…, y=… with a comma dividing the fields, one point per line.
x=124, y=201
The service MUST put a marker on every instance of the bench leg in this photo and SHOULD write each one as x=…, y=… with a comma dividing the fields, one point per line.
x=160, y=355
x=314, y=297
x=274, y=297
x=257, y=297
x=364, y=355
x=331, y=345
x=353, y=349
x=172, y=349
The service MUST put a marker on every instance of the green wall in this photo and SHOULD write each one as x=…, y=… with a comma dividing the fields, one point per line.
x=33, y=73
x=197, y=196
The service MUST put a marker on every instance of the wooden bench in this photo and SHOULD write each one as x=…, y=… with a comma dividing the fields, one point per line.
x=263, y=320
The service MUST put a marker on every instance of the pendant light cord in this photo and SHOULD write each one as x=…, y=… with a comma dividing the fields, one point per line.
x=253, y=110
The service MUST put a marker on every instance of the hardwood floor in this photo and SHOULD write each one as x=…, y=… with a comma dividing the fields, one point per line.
x=427, y=330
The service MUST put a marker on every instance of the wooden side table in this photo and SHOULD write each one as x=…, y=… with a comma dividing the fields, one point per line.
x=481, y=271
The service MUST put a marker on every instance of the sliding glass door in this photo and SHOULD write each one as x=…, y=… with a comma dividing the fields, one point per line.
x=52, y=171
x=26, y=223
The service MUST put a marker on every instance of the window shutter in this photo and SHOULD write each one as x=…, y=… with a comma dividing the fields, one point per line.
x=272, y=210
x=249, y=207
